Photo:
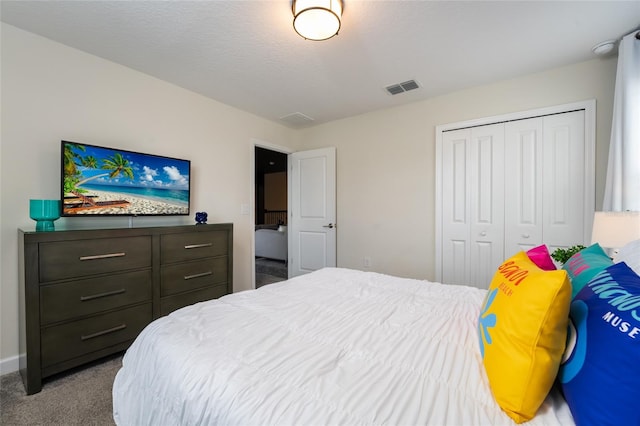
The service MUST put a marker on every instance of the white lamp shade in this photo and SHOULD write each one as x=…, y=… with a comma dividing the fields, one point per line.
x=615, y=229
x=317, y=19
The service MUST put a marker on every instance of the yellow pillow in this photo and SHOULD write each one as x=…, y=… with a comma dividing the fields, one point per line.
x=522, y=328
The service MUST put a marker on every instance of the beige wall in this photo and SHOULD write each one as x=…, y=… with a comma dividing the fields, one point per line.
x=385, y=159
x=51, y=92
x=386, y=163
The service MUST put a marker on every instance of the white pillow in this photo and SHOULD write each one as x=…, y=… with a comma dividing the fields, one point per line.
x=630, y=254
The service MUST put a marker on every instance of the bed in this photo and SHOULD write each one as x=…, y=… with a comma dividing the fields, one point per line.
x=335, y=346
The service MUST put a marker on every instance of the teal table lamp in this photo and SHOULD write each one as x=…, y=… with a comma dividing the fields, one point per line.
x=44, y=212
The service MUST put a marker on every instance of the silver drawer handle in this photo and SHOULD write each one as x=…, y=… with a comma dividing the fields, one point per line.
x=103, y=256
x=203, y=274
x=99, y=295
x=103, y=332
x=192, y=246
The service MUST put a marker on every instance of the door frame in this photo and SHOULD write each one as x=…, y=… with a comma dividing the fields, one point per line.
x=589, y=107
x=252, y=191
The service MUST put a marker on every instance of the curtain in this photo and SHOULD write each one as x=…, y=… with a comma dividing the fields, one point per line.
x=622, y=188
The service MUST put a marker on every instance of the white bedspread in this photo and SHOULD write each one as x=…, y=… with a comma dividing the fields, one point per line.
x=333, y=347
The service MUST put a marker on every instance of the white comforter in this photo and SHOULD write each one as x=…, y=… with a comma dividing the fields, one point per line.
x=333, y=347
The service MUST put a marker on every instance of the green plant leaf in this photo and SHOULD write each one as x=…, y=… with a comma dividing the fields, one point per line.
x=561, y=255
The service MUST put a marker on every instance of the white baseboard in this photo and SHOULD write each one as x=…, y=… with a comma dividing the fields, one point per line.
x=9, y=365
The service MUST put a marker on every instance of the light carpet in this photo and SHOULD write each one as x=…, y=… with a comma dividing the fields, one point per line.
x=80, y=397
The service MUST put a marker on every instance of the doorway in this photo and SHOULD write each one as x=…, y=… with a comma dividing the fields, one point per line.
x=271, y=210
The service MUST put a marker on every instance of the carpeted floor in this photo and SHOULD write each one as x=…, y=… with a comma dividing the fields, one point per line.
x=264, y=279
x=83, y=396
x=269, y=271
x=80, y=397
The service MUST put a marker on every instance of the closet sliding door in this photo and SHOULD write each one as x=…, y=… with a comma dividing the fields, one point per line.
x=523, y=193
x=545, y=182
x=510, y=186
x=472, y=207
x=565, y=180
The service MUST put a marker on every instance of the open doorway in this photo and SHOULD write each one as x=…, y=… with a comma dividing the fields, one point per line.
x=271, y=236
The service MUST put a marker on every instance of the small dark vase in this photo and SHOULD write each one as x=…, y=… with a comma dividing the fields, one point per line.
x=201, y=218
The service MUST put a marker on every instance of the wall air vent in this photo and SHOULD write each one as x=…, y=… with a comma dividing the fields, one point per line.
x=396, y=89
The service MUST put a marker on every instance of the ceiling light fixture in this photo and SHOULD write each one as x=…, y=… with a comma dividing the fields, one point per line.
x=317, y=19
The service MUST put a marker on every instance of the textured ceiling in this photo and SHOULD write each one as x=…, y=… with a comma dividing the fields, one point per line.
x=247, y=55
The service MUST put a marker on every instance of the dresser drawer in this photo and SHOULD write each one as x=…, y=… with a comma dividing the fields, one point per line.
x=192, y=245
x=88, y=293
x=181, y=277
x=66, y=341
x=171, y=303
x=79, y=298
x=69, y=259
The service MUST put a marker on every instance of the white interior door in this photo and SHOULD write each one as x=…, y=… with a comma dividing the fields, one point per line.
x=523, y=184
x=542, y=188
x=455, y=207
x=472, y=204
x=545, y=193
x=487, y=203
x=564, y=179
x=312, y=210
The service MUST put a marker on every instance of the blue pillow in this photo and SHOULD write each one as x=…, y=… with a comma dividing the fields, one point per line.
x=600, y=373
x=584, y=265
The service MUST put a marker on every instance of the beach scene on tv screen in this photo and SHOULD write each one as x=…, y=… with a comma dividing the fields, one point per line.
x=105, y=181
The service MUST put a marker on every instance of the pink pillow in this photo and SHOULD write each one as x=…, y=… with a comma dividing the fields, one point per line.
x=540, y=256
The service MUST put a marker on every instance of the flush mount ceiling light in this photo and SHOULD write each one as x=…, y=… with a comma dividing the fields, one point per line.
x=317, y=19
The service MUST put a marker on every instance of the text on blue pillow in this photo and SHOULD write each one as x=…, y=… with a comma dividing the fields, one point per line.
x=616, y=295
x=622, y=326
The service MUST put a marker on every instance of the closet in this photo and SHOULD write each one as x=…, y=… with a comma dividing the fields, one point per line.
x=510, y=183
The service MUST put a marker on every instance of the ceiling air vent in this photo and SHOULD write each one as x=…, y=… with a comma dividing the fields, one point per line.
x=396, y=89
x=297, y=119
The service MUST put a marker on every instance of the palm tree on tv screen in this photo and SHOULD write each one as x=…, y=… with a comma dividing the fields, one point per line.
x=116, y=165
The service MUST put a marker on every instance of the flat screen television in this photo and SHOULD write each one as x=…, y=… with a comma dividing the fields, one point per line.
x=105, y=181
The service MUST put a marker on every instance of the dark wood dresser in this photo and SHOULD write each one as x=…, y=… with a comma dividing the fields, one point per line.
x=86, y=294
